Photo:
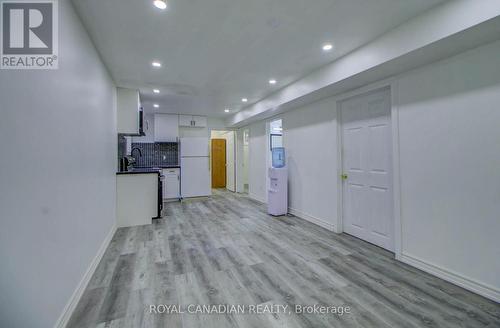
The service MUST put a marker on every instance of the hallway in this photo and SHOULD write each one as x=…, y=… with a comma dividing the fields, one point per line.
x=227, y=250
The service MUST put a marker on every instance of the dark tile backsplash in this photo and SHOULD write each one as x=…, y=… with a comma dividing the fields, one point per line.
x=156, y=154
x=122, y=147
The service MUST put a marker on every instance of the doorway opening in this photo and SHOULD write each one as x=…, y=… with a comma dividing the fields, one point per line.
x=275, y=134
x=245, y=162
x=275, y=138
x=242, y=161
x=223, y=159
x=245, y=155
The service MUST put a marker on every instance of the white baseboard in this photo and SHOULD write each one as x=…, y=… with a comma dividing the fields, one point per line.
x=254, y=197
x=453, y=277
x=312, y=219
x=77, y=294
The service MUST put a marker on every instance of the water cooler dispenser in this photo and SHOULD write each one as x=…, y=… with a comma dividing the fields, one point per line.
x=278, y=184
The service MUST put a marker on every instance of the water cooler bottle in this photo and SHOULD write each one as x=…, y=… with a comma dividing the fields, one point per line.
x=277, y=200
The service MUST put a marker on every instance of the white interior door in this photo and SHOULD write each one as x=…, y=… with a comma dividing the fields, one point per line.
x=367, y=166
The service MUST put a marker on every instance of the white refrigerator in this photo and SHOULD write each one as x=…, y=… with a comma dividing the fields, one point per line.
x=195, y=167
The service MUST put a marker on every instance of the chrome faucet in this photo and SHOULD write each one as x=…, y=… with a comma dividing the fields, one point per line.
x=132, y=151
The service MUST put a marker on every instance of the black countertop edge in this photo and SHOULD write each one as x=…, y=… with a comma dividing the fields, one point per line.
x=159, y=167
x=158, y=172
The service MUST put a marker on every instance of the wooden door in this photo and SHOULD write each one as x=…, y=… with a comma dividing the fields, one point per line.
x=218, y=163
x=367, y=167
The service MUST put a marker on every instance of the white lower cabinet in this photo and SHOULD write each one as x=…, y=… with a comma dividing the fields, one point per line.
x=171, y=183
x=136, y=199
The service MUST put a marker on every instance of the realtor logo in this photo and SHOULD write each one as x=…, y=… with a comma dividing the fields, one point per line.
x=29, y=34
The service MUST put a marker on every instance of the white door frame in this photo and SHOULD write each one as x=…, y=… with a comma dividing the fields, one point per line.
x=396, y=189
x=239, y=158
x=234, y=173
x=231, y=160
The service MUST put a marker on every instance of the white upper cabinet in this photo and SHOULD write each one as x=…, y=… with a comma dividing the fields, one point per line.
x=200, y=121
x=166, y=127
x=193, y=121
x=149, y=130
x=185, y=120
x=128, y=105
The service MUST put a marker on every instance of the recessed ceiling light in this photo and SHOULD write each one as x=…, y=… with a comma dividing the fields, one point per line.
x=272, y=81
x=244, y=99
x=226, y=110
x=156, y=64
x=327, y=47
x=156, y=105
x=156, y=90
x=160, y=4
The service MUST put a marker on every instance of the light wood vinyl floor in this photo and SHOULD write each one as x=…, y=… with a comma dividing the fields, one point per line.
x=227, y=250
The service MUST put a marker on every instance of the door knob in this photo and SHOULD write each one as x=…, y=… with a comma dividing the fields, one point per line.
x=343, y=176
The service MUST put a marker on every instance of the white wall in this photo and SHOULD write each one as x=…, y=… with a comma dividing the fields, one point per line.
x=311, y=156
x=57, y=177
x=449, y=121
x=257, y=169
x=310, y=144
x=244, y=163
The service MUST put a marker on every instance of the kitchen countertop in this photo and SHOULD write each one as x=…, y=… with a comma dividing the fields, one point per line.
x=141, y=171
x=160, y=167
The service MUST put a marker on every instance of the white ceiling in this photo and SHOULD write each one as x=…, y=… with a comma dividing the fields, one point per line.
x=214, y=52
